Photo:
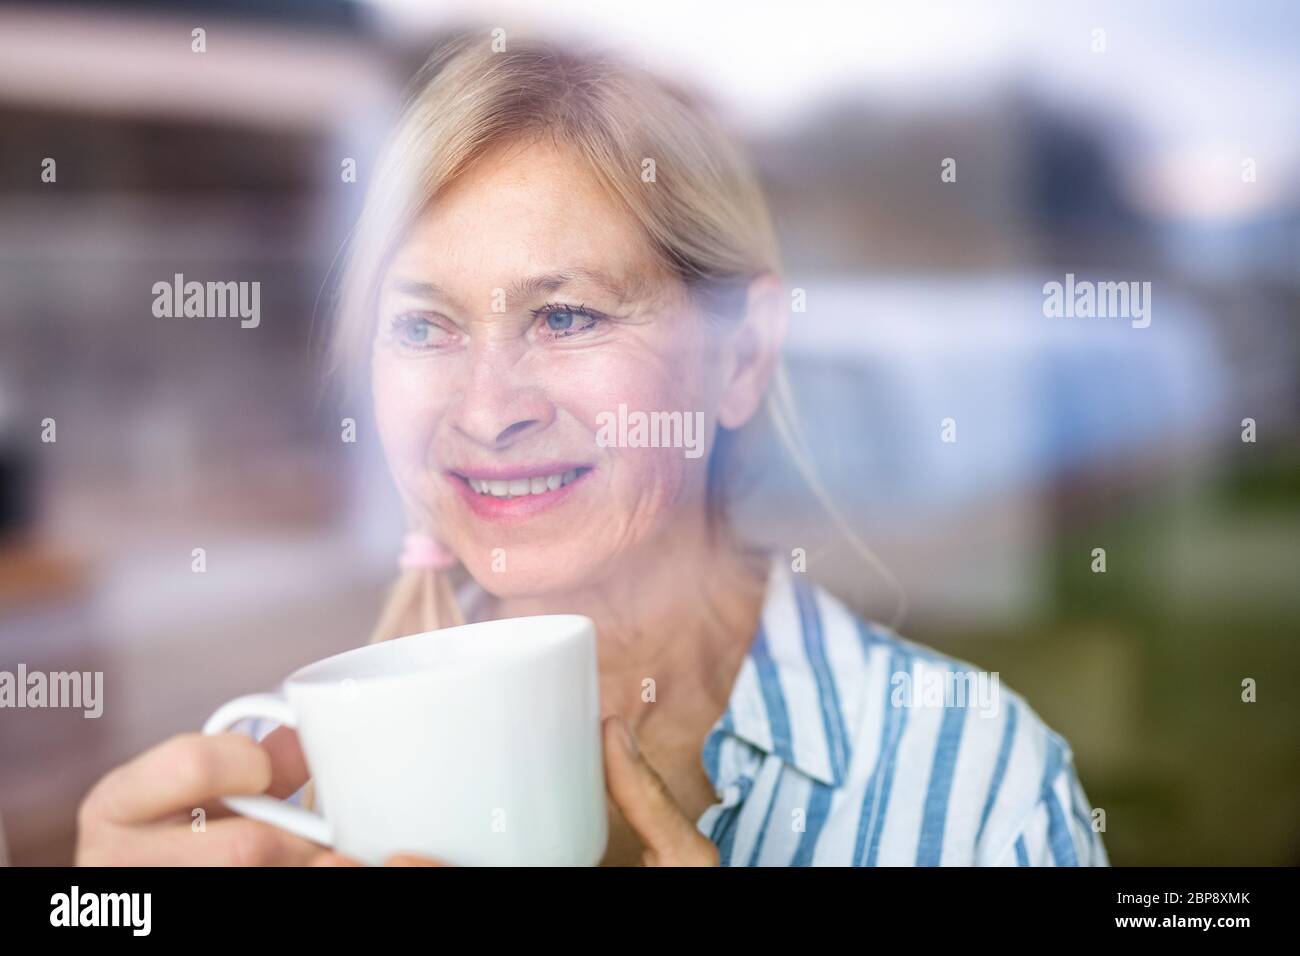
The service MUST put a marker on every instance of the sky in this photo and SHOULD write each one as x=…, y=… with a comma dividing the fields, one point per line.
x=1203, y=82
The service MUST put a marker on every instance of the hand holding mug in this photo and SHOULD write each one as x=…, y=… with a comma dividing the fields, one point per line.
x=143, y=812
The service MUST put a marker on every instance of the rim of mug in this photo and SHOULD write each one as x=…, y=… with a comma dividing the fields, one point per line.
x=304, y=679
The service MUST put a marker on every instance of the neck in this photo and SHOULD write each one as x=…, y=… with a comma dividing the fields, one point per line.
x=681, y=612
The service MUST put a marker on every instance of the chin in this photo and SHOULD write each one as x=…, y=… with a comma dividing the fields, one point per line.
x=533, y=573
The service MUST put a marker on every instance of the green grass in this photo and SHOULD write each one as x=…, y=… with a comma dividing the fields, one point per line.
x=1140, y=668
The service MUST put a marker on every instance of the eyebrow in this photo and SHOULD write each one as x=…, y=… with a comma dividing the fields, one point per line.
x=533, y=286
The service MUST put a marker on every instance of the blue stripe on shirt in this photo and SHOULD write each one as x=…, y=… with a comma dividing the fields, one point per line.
x=778, y=718
x=713, y=747
x=819, y=802
x=724, y=833
x=815, y=646
x=929, y=850
x=1058, y=832
x=767, y=818
x=1000, y=768
x=876, y=804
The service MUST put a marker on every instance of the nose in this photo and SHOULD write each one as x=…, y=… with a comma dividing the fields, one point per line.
x=500, y=405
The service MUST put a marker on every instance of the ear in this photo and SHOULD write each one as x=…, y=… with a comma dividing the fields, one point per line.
x=756, y=349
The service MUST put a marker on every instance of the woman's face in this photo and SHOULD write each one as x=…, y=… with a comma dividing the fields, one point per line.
x=522, y=310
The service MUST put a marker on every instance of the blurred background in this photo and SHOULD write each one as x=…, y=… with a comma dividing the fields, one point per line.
x=1113, y=141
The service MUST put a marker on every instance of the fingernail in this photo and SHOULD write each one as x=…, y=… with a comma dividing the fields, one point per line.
x=629, y=739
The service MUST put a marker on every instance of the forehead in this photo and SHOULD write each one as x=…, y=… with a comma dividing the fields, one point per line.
x=527, y=209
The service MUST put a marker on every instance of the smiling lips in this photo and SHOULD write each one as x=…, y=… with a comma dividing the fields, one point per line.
x=500, y=493
x=518, y=487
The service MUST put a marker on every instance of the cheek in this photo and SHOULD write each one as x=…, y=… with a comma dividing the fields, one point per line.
x=407, y=410
x=667, y=366
x=647, y=378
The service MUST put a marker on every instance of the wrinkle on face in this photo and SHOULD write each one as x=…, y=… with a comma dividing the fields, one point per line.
x=521, y=214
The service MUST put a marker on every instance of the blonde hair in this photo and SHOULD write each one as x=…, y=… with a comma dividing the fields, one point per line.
x=706, y=217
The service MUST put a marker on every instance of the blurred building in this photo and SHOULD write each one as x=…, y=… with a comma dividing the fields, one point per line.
x=924, y=302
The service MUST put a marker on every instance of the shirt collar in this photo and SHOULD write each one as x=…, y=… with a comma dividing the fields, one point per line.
x=787, y=699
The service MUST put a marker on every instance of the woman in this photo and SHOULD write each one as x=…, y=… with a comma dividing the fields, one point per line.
x=552, y=240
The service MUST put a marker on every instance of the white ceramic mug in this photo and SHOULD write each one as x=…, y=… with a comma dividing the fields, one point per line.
x=476, y=745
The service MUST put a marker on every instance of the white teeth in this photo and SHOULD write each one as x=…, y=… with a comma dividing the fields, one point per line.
x=518, y=487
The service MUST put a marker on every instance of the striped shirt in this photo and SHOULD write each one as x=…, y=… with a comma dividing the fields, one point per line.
x=844, y=744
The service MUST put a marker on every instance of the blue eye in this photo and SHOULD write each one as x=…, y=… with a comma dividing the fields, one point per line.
x=414, y=332
x=563, y=321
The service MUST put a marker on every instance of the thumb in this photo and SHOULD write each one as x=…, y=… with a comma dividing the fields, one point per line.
x=288, y=766
x=669, y=838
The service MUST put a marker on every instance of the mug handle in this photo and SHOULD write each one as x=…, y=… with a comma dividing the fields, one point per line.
x=280, y=813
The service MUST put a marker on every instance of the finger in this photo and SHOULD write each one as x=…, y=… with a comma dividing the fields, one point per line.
x=643, y=798
x=330, y=858
x=236, y=841
x=410, y=859
x=288, y=766
x=288, y=773
x=243, y=842
x=178, y=774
